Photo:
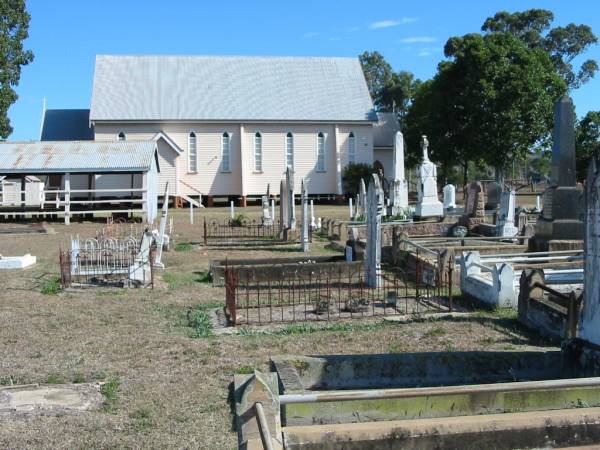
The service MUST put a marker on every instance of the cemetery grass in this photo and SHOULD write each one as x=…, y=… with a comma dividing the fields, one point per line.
x=168, y=374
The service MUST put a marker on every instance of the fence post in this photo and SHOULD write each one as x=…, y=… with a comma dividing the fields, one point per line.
x=205, y=233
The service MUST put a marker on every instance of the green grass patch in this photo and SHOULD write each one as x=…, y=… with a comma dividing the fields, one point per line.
x=51, y=286
x=109, y=390
x=179, y=280
x=183, y=247
x=53, y=379
x=437, y=331
x=308, y=328
x=244, y=370
x=142, y=418
x=199, y=321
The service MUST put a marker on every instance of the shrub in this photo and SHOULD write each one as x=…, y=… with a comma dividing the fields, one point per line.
x=352, y=175
x=239, y=220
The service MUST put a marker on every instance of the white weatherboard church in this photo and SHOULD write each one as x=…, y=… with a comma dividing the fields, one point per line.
x=229, y=125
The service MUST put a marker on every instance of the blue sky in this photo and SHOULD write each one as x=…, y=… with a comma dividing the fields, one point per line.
x=65, y=36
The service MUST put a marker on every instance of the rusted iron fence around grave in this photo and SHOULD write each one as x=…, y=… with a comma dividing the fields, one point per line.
x=107, y=265
x=242, y=232
x=323, y=292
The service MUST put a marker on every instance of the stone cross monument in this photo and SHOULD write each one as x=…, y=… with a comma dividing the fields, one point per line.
x=400, y=186
x=428, y=204
x=373, y=248
x=291, y=204
x=561, y=216
x=267, y=220
x=505, y=227
x=305, y=221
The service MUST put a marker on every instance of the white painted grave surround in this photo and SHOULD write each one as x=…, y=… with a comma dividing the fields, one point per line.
x=493, y=284
x=428, y=204
x=449, y=196
x=505, y=226
x=17, y=262
x=400, y=185
x=373, y=246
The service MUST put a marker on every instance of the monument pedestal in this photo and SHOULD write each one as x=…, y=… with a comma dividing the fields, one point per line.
x=428, y=204
x=559, y=220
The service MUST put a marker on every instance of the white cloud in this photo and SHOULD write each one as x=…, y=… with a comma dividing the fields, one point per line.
x=417, y=39
x=391, y=23
x=424, y=53
x=311, y=34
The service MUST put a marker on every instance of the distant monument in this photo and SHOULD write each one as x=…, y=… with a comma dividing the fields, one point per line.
x=428, y=204
x=474, y=212
x=305, y=221
x=291, y=203
x=561, y=216
x=267, y=220
x=449, y=196
x=400, y=186
x=506, y=216
x=373, y=247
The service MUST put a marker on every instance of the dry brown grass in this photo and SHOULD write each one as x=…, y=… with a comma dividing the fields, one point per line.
x=174, y=388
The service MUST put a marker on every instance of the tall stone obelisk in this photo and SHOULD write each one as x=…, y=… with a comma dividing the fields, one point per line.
x=561, y=218
x=400, y=187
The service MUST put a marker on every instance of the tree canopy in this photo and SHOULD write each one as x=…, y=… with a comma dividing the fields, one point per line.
x=563, y=44
x=587, y=141
x=491, y=101
x=14, y=25
x=390, y=91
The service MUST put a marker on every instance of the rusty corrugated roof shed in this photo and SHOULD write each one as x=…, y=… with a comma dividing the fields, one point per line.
x=76, y=156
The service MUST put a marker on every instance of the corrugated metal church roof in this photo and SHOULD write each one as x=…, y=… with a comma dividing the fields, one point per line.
x=384, y=131
x=235, y=88
x=76, y=156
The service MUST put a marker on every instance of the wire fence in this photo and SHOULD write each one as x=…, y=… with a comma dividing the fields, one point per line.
x=324, y=292
x=244, y=232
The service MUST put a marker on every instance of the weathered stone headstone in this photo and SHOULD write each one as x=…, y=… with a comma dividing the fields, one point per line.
x=283, y=208
x=506, y=216
x=400, y=186
x=362, y=199
x=449, y=196
x=267, y=220
x=305, y=223
x=561, y=216
x=373, y=250
x=493, y=192
x=590, y=318
x=289, y=181
x=474, y=213
x=428, y=204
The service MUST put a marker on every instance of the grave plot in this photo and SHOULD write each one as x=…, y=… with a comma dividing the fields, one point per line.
x=242, y=231
x=324, y=291
x=105, y=260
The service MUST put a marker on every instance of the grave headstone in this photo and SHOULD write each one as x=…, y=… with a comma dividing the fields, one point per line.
x=373, y=249
x=350, y=209
x=449, y=196
x=561, y=215
x=428, y=204
x=313, y=223
x=267, y=220
x=506, y=216
x=493, y=193
x=590, y=317
x=305, y=223
x=362, y=197
x=289, y=181
x=400, y=185
x=474, y=213
x=283, y=209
